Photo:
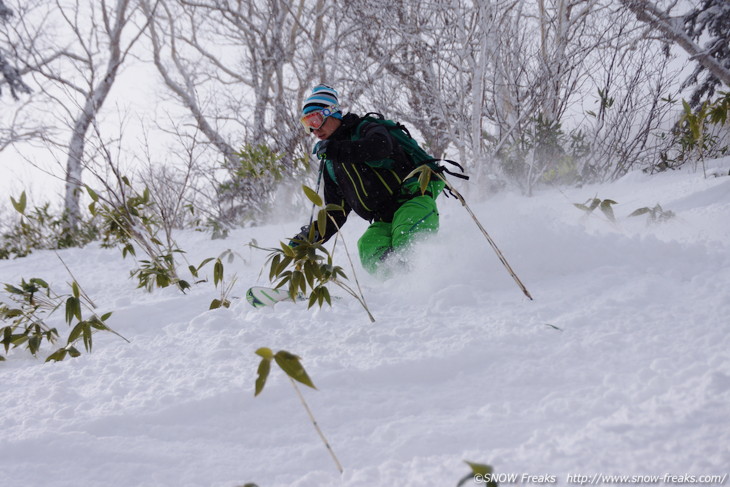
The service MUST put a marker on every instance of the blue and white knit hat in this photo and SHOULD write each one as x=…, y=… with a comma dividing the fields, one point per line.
x=322, y=96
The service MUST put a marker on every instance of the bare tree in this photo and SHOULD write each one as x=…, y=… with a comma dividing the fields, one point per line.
x=108, y=23
x=25, y=44
x=241, y=69
x=631, y=104
x=671, y=29
x=397, y=56
x=10, y=73
x=711, y=22
x=75, y=71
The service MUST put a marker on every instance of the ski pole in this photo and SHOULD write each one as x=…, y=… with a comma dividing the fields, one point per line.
x=489, y=239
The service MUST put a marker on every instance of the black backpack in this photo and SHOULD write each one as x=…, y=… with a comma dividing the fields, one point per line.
x=415, y=153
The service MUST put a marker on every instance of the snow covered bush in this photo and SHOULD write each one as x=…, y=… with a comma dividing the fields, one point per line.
x=252, y=180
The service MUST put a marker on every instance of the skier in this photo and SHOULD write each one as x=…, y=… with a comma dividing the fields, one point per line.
x=363, y=168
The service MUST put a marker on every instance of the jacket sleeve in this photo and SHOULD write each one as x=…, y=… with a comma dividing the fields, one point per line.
x=374, y=144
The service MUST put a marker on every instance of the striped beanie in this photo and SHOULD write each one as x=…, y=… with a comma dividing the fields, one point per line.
x=322, y=96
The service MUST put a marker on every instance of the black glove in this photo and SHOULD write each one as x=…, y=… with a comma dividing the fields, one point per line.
x=303, y=236
x=321, y=149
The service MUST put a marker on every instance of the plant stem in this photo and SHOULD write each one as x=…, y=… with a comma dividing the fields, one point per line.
x=316, y=426
x=361, y=297
x=83, y=293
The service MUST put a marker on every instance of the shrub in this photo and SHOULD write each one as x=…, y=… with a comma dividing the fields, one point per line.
x=40, y=229
x=698, y=134
x=247, y=193
x=307, y=267
x=32, y=303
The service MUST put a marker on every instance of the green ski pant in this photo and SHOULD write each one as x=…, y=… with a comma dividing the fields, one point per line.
x=416, y=217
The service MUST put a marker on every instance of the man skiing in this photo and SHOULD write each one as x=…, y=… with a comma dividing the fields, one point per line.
x=364, y=170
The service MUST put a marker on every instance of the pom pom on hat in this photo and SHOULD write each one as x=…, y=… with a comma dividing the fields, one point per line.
x=322, y=96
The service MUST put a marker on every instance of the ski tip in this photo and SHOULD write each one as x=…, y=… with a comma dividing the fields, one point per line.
x=253, y=300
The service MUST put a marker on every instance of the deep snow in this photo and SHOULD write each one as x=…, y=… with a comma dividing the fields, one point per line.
x=621, y=364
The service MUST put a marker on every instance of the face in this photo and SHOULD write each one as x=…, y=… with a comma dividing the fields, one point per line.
x=330, y=125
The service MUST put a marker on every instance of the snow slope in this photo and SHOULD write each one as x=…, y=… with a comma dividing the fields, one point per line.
x=621, y=364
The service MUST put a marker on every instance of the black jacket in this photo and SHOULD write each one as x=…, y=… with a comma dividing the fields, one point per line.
x=364, y=171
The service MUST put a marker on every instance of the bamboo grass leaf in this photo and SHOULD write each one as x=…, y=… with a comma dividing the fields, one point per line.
x=292, y=366
x=312, y=195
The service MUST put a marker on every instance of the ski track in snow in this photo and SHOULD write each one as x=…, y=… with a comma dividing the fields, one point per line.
x=621, y=364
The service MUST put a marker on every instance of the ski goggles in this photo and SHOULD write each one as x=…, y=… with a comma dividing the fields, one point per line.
x=314, y=120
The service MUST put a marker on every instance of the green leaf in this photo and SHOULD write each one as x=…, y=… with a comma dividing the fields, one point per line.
x=274, y=267
x=205, y=261
x=75, y=290
x=332, y=207
x=92, y=194
x=265, y=353
x=640, y=211
x=607, y=210
x=482, y=471
x=322, y=222
x=97, y=324
x=326, y=295
x=312, y=195
x=75, y=333
x=217, y=272
x=20, y=204
x=292, y=366
x=313, y=298
x=73, y=309
x=298, y=282
x=686, y=107
x=128, y=249
x=9, y=313
x=262, y=374
x=288, y=251
x=286, y=277
x=7, y=338
x=416, y=172
x=39, y=282
x=424, y=179
x=215, y=304
x=34, y=343
x=58, y=355
x=87, y=333
x=13, y=290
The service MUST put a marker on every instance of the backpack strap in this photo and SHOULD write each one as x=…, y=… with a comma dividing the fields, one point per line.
x=441, y=169
x=397, y=126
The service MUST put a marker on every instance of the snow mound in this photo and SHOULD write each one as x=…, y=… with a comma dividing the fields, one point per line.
x=620, y=365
